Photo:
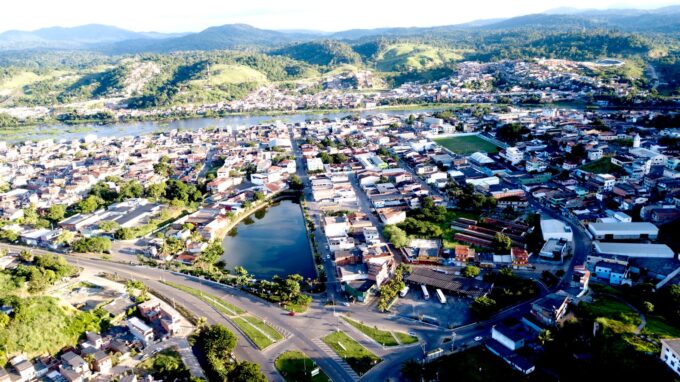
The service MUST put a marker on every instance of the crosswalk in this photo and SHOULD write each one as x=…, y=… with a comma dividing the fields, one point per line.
x=335, y=357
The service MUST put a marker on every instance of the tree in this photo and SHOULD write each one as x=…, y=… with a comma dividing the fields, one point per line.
x=92, y=244
x=218, y=341
x=396, y=236
x=4, y=320
x=56, y=212
x=295, y=182
x=156, y=190
x=258, y=196
x=483, y=306
x=545, y=337
x=89, y=204
x=108, y=225
x=470, y=271
x=501, y=243
x=65, y=237
x=649, y=307
x=245, y=371
x=213, y=253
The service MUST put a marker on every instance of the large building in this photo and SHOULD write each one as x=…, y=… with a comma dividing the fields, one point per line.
x=555, y=229
x=623, y=231
x=659, y=251
x=670, y=354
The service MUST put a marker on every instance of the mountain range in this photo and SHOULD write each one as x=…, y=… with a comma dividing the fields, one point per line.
x=113, y=40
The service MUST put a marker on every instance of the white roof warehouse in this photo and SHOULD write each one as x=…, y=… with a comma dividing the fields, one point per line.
x=623, y=231
x=635, y=250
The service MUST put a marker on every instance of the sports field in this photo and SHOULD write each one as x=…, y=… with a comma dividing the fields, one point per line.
x=467, y=145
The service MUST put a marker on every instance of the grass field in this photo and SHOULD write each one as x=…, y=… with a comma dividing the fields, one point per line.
x=264, y=327
x=231, y=74
x=295, y=366
x=259, y=339
x=467, y=145
x=414, y=56
x=602, y=166
x=214, y=301
x=474, y=365
x=383, y=337
x=357, y=357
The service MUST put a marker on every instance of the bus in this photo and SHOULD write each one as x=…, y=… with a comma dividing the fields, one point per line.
x=426, y=294
x=440, y=296
x=403, y=292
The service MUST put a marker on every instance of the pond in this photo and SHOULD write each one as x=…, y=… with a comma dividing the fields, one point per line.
x=272, y=241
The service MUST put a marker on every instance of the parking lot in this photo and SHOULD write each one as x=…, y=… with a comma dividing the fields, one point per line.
x=455, y=312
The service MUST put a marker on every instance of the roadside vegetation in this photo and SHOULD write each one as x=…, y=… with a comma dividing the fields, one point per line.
x=383, y=337
x=214, y=346
x=295, y=366
x=357, y=357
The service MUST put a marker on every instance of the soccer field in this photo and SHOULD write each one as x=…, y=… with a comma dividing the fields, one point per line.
x=467, y=145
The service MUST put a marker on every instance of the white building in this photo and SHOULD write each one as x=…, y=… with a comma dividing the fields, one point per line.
x=623, y=231
x=656, y=251
x=555, y=229
x=335, y=226
x=670, y=353
x=513, y=155
x=140, y=330
x=314, y=164
x=508, y=337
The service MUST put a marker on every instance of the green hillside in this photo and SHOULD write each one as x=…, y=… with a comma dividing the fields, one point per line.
x=322, y=53
x=412, y=56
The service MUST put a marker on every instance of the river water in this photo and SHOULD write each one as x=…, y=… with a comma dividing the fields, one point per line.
x=271, y=241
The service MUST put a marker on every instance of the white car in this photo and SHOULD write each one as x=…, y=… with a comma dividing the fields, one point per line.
x=479, y=338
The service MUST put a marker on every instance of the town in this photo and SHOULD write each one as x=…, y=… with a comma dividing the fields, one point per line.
x=530, y=224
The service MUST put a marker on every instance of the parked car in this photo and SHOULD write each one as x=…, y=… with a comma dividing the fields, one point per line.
x=479, y=338
x=291, y=313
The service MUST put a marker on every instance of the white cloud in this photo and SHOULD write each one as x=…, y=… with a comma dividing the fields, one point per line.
x=194, y=15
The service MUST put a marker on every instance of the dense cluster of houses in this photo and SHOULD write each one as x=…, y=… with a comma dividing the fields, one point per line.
x=96, y=357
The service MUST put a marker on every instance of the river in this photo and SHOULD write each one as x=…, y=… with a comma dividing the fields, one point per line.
x=272, y=241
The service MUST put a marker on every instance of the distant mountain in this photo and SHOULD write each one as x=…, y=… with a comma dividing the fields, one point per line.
x=113, y=40
x=70, y=38
x=230, y=36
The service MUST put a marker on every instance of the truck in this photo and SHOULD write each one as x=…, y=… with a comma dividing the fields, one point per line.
x=403, y=292
x=440, y=296
x=426, y=294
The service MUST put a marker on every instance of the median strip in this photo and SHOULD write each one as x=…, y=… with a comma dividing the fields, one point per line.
x=357, y=357
x=383, y=337
x=214, y=301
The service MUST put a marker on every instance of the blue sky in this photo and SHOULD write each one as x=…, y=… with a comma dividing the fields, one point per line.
x=195, y=15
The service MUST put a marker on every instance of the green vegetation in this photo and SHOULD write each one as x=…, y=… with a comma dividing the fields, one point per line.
x=295, y=366
x=323, y=53
x=467, y=145
x=216, y=344
x=214, y=301
x=390, y=289
x=257, y=331
x=91, y=244
x=602, y=166
x=476, y=364
x=396, y=236
x=382, y=337
x=42, y=325
x=470, y=271
x=403, y=57
x=166, y=365
x=356, y=356
x=405, y=339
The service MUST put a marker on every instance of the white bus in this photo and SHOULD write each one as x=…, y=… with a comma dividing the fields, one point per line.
x=426, y=294
x=404, y=291
x=440, y=296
